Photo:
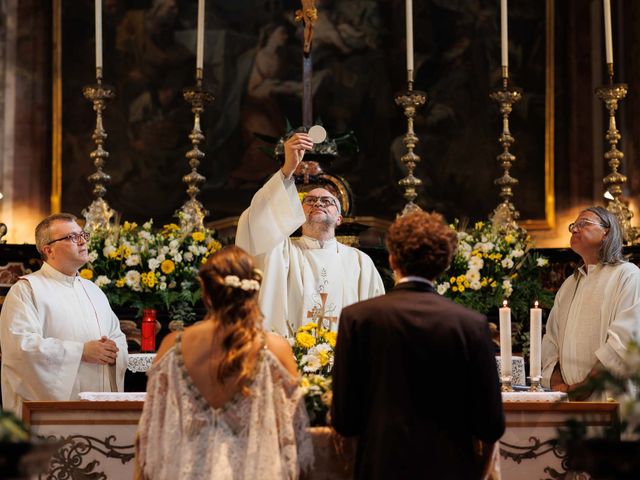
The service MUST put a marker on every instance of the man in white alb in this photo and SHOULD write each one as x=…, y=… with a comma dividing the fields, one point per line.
x=298, y=271
x=58, y=334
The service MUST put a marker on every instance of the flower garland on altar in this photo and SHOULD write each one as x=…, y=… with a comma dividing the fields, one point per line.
x=143, y=267
x=495, y=264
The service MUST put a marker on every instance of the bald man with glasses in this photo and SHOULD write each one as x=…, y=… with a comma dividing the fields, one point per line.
x=314, y=271
x=58, y=334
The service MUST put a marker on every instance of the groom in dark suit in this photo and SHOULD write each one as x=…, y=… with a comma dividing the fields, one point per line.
x=415, y=375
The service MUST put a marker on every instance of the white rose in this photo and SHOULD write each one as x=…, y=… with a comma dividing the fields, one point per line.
x=132, y=279
x=188, y=256
x=133, y=260
x=473, y=276
x=517, y=253
x=162, y=285
x=93, y=256
x=475, y=285
x=311, y=363
x=174, y=244
x=506, y=286
x=177, y=257
x=153, y=263
x=542, y=262
x=443, y=287
x=102, y=280
x=193, y=249
x=476, y=263
x=507, y=263
x=108, y=250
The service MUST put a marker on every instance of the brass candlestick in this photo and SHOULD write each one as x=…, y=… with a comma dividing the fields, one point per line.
x=611, y=95
x=410, y=101
x=98, y=214
x=192, y=213
x=505, y=214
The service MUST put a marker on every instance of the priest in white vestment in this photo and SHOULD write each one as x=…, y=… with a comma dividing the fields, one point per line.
x=596, y=312
x=297, y=271
x=58, y=334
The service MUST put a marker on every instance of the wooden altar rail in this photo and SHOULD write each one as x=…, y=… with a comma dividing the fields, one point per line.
x=104, y=432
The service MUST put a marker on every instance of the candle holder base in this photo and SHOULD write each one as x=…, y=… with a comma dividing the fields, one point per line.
x=535, y=385
x=505, y=384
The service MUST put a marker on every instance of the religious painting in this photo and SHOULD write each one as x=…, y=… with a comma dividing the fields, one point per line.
x=252, y=65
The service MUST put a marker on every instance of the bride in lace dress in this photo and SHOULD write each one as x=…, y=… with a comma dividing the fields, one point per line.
x=223, y=400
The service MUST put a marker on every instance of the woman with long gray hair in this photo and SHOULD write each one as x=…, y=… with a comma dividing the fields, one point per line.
x=596, y=312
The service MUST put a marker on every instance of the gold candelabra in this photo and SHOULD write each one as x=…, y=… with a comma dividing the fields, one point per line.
x=505, y=214
x=192, y=212
x=98, y=214
x=410, y=101
x=614, y=182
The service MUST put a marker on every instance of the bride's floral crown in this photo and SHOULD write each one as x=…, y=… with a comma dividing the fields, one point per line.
x=245, y=284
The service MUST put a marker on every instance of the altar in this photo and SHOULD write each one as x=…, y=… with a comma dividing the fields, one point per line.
x=97, y=438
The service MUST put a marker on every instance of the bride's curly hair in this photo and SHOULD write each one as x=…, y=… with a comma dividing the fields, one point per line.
x=234, y=307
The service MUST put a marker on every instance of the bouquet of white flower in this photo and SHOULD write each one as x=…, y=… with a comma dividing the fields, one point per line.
x=143, y=268
x=313, y=348
x=491, y=265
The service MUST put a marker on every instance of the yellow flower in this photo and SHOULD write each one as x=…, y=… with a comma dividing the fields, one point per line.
x=214, y=246
x=308, y=327
x=198, y=236
x=170, y=229
x=167, y=266
x=114, y=253
x=461, y=278
x=461, y=288
x=86, y=274
x=126, y=252
x=304, y=382
x=129, y=226
x=120, y=283
x=479, y=225
x=452, y=280
x=330, y=338
x=324, y=357
x=508, y=238
x=301, y=195
x=305, y=340
x=494, y=284
x=148, y=279
x=454, y=289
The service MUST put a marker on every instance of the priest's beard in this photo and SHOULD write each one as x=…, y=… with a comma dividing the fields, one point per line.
x=323, y=228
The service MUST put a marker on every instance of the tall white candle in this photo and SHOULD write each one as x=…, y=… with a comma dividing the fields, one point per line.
x=200, y=36
x=607, y=31
x=535, y=341
x=504, y=33
x=98, y=9
x=505, y=340
x=409, y=20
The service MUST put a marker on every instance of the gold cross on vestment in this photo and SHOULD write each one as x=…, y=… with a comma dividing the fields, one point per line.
x=317, y=314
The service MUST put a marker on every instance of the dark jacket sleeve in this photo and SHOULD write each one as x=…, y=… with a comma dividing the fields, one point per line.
x=347, y=404
x=487, y=416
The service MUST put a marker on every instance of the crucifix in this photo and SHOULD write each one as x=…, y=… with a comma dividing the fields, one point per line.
x=317, y=314
x=308, y=15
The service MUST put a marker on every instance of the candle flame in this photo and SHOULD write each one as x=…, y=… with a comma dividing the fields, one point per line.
x=504, y=303
x=535, y=304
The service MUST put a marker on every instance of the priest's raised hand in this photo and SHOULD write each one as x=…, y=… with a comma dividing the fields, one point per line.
x=294, y=148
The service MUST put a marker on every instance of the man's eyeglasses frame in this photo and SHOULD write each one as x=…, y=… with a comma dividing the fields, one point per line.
x=74, y=237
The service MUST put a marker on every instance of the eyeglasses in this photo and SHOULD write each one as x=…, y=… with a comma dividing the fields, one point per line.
x=580, y=224
x=74, y=237
x=325, y=202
